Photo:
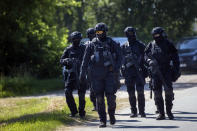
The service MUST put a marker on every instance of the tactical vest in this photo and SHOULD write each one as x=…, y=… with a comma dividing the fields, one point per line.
x=161, y=53
x=131, y=55
x=76, y=55
x=103, y=54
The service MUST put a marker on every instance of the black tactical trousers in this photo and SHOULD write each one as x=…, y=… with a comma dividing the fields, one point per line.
x=169, y=95
x=111, y=103
x=105, y=87
x=134, y=83
x=93, y=97
x=70, y=99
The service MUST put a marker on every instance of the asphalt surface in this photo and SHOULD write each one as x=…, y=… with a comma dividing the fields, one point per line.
x=184, y=110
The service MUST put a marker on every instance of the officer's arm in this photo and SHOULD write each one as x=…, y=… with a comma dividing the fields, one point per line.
x=119, y=57
x=142, y=51
x=174, y=57
x=123, y=54
x=86, y=59
x=63, y=57
x=147, y=53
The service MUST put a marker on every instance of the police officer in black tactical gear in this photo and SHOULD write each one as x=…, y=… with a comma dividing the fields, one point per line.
x=134, y=71
x=163, y=61
x=72, y=59
x=105, y=59
x=91, y=34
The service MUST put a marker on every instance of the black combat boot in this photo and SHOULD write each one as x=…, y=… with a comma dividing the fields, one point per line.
x=170, y=115
x=82, y=114
x=161, y=117
x=142, y=114
x=169, y=105
x=141, y=104
x=133, y=112
x=73, y=114
x=102, y=124
x=112, y=119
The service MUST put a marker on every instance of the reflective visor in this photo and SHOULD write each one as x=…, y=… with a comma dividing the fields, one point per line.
x=99, y=32
x=76, y=39
x=131, y=33
x=156, y=35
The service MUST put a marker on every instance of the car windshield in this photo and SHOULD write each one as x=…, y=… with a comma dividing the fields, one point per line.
x=188, y=44
x=120, y=40
x=83, y=41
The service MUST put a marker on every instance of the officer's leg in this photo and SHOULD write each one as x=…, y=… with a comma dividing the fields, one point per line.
x=130, y=83
x=70, y=99
x=158, y=98
x=169, y=97
x=93, y=98
x=111, y=102
x=110, y=90
x=157, y=109
x=141, y=98
x=81, y=94
x=98, y=86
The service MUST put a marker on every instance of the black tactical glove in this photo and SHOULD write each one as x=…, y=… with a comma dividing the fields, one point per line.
x=66, y=61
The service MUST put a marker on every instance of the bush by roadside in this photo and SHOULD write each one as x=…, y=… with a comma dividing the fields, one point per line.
x=27, y=85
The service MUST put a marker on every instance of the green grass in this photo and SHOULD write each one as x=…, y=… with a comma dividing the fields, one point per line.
x=27, y=85
x=43, y=114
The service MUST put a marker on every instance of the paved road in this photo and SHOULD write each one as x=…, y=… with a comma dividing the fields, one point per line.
x=185, y=111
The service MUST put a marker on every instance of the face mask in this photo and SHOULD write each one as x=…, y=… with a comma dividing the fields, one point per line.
x=76, y=42
x=91, y=36
x=131, y=36
x=101, y=35
x=158, y=39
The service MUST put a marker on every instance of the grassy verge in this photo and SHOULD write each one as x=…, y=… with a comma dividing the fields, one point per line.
x=27, y=85
x=43, y=114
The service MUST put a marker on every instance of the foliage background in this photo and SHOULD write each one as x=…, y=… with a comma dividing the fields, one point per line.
x=34, y=33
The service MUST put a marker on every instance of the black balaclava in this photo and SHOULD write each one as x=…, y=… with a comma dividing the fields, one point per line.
x=130, y=34
x=76, y=38
x=91, y=33
x=101, y=31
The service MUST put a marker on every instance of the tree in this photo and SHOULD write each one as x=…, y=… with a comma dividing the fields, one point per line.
x=33, y=35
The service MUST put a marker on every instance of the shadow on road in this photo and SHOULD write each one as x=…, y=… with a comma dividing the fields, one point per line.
x=184, y=85
x=126, y=126
x=183, y=112
x=185, y=118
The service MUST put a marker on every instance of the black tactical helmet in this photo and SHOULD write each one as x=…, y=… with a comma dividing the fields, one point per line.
x=130, y=33
x=158, y=30
x=101, y=27
x=158, y=34
x=76, y=35
x=90, y=31
x=129, y=29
